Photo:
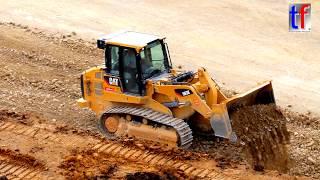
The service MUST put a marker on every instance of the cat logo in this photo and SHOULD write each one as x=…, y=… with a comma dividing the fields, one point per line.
x=113, y=81
x=186, y=93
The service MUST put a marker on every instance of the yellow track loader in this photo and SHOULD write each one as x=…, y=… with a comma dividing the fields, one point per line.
x=137, y=93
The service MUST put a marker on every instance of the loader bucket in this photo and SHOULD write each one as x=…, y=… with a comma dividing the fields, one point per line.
x=220, y=121
x=262, y=94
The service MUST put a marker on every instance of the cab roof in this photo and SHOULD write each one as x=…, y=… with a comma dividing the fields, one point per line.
x=129, y=39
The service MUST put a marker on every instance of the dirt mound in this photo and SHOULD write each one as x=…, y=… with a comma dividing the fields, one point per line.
x=21, y=159
x=262, y=130
x=88, y=165
x=167, y=174
x=225, y=153
x=20, y=117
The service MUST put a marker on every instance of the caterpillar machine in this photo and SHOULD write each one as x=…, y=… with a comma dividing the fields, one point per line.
x=137, y=93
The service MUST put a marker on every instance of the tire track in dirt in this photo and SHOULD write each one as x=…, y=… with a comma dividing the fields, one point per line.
x=14, y=165
x=133, y=154
x=112, y=148
x=13, y=171
x=52, y=137
x=42, y=134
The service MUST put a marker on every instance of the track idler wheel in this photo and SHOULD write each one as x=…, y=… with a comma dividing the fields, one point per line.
x=109, y=125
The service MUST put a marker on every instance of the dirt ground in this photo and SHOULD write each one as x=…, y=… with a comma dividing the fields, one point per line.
x=41, y=123
x=33, y=148
x=239, y=42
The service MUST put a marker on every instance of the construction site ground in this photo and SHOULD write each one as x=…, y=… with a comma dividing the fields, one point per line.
x=45, y=45
x=44, y=134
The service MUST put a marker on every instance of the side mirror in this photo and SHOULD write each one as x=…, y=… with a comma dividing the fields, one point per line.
x=101, y=44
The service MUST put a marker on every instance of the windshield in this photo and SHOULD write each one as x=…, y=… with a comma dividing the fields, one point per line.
x=152, y=59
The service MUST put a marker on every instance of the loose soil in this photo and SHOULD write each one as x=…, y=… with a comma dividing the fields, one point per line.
x=21, y=159
x=163, y=175
x=88, y=165
x=262, y=131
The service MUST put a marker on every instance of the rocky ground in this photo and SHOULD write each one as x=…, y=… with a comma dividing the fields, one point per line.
x=304, y=144
x=40, y=75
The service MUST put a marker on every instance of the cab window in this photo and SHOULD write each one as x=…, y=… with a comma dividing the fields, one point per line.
x=152, y=59
x=113, y=65
x=130, y=71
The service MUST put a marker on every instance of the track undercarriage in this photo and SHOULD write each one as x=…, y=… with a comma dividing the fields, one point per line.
x=146, y=124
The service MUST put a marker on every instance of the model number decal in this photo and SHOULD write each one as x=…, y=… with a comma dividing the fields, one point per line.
x=109, y=89
x=183, y=92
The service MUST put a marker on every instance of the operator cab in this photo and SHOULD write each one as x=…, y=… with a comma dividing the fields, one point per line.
x=134, y=57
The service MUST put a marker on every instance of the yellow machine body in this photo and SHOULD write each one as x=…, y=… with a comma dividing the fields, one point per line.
x=197, y=99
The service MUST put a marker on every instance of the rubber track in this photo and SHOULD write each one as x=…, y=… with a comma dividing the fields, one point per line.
x=181, y=127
